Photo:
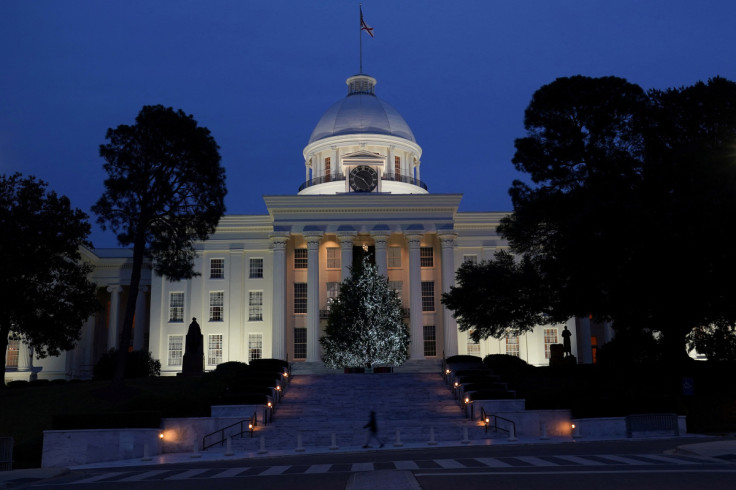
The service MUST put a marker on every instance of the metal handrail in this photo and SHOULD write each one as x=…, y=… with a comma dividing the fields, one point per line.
x=486, y=418
x=252, y=423
x=322, y=179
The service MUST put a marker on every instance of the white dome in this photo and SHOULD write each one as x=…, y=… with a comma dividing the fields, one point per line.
x=361, y=112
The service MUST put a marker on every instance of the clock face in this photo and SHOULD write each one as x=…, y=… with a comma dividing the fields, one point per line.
x=363, y=178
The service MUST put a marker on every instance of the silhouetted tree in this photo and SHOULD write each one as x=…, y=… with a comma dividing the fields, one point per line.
x=165, y=189
x=365, y=325
x=44, y=286
x=625, y=214
x=497, y=298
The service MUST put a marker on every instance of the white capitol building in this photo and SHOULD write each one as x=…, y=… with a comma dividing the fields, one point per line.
x=266, y=280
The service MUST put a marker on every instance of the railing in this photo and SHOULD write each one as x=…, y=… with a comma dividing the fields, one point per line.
x=487, y=417
x=323, y=179
x=252, y=423
x=652, y=422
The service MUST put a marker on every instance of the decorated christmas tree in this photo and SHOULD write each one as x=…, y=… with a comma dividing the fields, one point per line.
x=365, y=325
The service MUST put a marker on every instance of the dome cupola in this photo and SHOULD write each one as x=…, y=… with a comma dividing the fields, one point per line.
x=361, y=130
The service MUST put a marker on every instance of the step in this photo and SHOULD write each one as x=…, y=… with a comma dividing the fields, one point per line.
x=316, y=406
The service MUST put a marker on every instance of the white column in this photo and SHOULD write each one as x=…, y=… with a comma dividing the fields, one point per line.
x=585, y=344
x=447, y=242
x=278, y=325
x=416, y=350
x=112, y=325
x=313, y=330
x=381, y=242
x=346, y=254
x=418, y=176
x=306, y=167
x=139, y=332
x=24, y=357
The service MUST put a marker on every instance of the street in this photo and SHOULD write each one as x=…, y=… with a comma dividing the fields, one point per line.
x=620, y=464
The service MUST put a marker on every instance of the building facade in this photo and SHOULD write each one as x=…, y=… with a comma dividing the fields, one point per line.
x=267, y=280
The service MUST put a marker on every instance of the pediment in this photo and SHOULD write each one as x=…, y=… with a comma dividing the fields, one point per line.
x=363, y=157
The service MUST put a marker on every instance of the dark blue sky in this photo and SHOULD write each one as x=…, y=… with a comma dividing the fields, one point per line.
x=260, y=74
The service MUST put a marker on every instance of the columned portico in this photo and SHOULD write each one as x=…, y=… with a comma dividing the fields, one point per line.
x=381, y=242
x=346, y=253
x=447, y=243
x=112, y=326
x=416, y=350
x=278, y=328
x=313, y=329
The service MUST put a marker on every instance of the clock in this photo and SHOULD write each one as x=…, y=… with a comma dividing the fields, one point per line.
x=363, y=178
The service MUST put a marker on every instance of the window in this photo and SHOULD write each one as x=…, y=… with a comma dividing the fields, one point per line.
x=512, y=345
x=176, y=344
x=214, y=349
x=300, y=343
x=473, y=259
x=300, y=297
x=255, y=306
x=397, y=167
x=12, y=355
x=176, y=307
x=427, y=295
x=217, y=268
x=333, y=258
x=255, y=346
x=550, y=337
x=394, y=256
x=397, y=286
x=430, y=341
x=300, y=258
x=217, y=306
x=333, y=291
x=426, y=257
x=256, y=269
x=327, y=169
x=473, y=347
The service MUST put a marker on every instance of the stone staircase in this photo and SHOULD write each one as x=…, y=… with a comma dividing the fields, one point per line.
x=317, y=405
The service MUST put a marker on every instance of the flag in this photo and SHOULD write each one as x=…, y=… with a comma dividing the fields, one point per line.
x=363, y=26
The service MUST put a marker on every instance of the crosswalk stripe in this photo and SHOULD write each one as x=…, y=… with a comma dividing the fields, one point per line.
x=579, y=460
x=621, y=459
x=275, y=470
x=493, y=462
x=362, y=467
x=319, y=468
x=143, y=476
x=187, y=474
x=406, y=465
x=449, y=464
x=229, y=473
x=666, y=459
x=535, y=461
x=101, y=476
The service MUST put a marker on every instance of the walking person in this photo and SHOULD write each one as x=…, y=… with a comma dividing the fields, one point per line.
x=372, y=427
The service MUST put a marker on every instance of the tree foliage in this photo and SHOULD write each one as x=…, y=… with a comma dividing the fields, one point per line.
x=365, y=325
x=625, y=212
x=44, y=286
x=165, y=188
x=506, y=289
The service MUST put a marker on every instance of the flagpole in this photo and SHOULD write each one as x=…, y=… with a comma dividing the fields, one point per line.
x=360, y=36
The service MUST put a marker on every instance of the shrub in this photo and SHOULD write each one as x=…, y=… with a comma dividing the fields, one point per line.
x=140, y=365
x=463, y=359
x=506, y=364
